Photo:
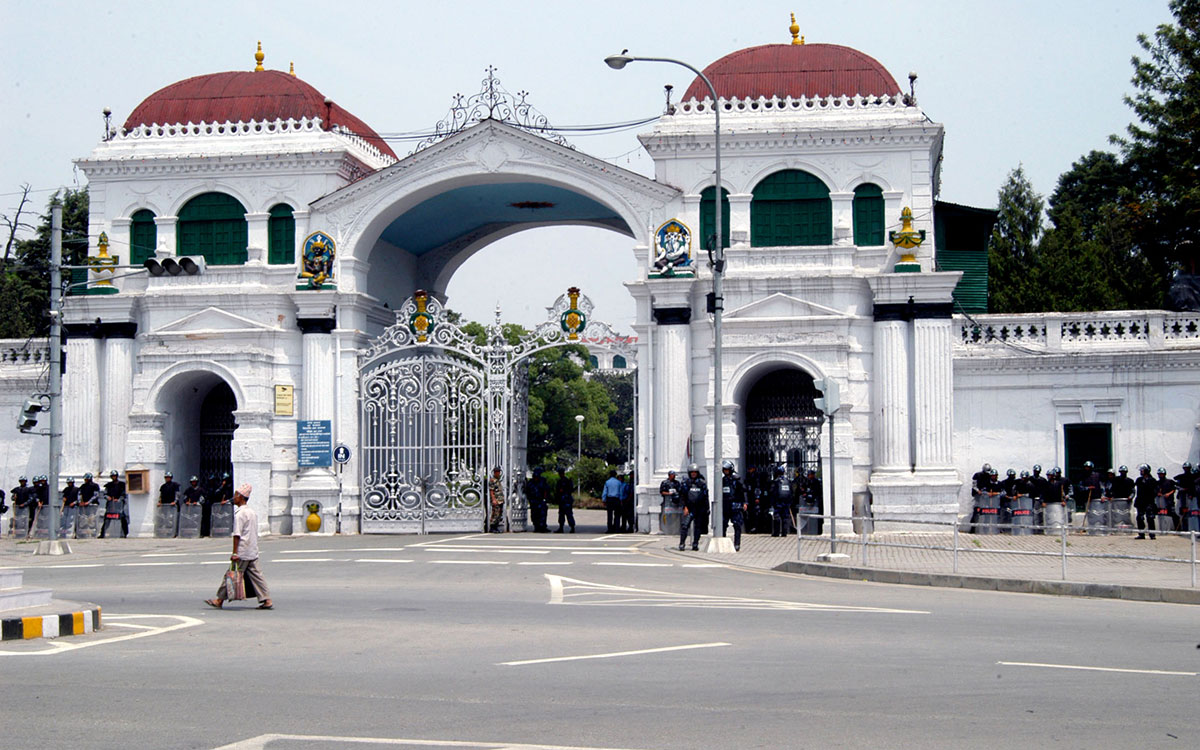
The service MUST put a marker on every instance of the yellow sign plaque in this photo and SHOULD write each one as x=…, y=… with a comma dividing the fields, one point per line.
x=285, y=400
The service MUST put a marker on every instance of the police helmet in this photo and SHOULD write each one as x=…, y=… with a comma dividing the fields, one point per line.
x=1056, y=471
x=1123, y=469
x=1037, y=468
x=1089, y=465
x=113, y=473
x=1187, y=465
x=194, y=478
x=1011, y=472
x=994, y=473
x=1145, y=468
x=1162, y=472
x=22, y=478
x=87, y=475
x=727, y=464
x=670, y=472
x=693, y=467
x=987, y=468
x=1025, y=474
x=168, y=475
x=70, y=480
x=779, y=471
x=225, y=475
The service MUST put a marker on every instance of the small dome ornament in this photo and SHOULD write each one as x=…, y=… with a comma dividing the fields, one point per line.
x=908, y=240
x=258, y=58
x=795, y=29
x=292, y=69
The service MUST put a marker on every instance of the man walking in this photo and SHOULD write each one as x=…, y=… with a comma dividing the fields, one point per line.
x=733, y=502
x=245, y=552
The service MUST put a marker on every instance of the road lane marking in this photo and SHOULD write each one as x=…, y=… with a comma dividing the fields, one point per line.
x=178, y=554
x=154, y=564
x=1095, y=669
x=62, y=645
x=614, y=654
x=546, y=562
x=305, y=559
x=601, y=552
x=572, y=591
x=469, y=562
x=702, y=565
x=494, y=550
x=78, y=565
x=275, y=740
x=381, y=559
x=305, y=551
x=638, y=565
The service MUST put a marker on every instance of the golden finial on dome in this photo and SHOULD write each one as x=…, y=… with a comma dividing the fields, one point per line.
x=292, y=68
x=258, y=58
x=795, y=29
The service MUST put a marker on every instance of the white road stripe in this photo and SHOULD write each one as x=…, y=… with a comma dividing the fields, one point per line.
x=381, y=559
x=59, y=645
x=601, y=552
x=493, y=550
x=1095, y=669
x=82, y=565
x=305, y=551
x=469, y=562
x=547, y=562
x=702, y=565
x=613, y=654
x=275, y=740
x=153, y=564
x=304, y=559
x=637, y=565
x=178, y=554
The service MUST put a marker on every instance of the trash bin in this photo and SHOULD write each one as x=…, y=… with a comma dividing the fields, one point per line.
x=863, y=523
x=1098, y=521
x=1022, y=515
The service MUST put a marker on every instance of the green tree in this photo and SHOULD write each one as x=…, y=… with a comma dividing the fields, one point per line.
x=25, y=280
x=1012, y=251
x=619, y=386
x=1161, y=147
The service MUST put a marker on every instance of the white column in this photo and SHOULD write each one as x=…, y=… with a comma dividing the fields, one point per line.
x=739, y=218
x=166, y=226
x=81, y=408
x=251, y=450
x=843, y=218
x=934, y=392
x=317, y=393
x=672, y=402
x=891, y=417
x=257, y=237
x=115, y=397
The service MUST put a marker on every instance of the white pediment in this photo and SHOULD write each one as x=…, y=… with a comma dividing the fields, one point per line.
x=213, y=320
x=780, y=305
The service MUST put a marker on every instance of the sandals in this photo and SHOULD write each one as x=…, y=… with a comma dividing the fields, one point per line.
x=214, y=603
x=266, y=605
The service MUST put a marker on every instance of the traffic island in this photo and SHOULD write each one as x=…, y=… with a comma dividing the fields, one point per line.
x=27, y=612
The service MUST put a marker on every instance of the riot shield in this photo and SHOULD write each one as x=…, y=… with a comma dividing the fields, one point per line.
x=112, y=517
x=87, y=522
x=41, y=523
x=1191, y=515
x=987, y=507
x=166, y=521
x=1055, y=515
x=1098, y=516
x=1163, y=515
x=66, y=523
x=1022, y=515
x=1119, y=517
x=190, y=517
x=221, y=523
x=21, y=522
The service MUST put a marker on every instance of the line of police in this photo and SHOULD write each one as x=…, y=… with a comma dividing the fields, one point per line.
x=172, y=503
x=754, y=503
x=30, y=500
x=1169, y=503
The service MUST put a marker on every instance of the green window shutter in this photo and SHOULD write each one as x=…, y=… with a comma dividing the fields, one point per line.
x=791, y=208
x=213, y=225
x=706, y=219
x=281, y=236
x=595, y=363
x=143, y=237
x=618, y=362
x=868, y=215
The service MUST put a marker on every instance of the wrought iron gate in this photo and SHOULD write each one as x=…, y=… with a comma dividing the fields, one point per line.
x=439, y=409
x=783, y=425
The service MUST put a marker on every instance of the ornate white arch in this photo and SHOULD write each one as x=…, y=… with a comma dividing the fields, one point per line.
x=201, y=189
x=179, y=369
x=749, y=370
x=786, y=165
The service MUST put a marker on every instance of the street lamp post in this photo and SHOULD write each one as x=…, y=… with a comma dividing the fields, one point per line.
x=578, y=455
x=629, y=447
x=718, y=541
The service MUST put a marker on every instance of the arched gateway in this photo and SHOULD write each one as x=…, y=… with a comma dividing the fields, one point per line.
x=440, y=409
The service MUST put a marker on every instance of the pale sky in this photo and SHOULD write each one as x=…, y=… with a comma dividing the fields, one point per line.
x=1035, y=83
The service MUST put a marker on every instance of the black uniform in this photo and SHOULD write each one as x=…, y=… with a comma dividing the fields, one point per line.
x=537, y=493
x=1167, y=490
x=694, y=491
x=781, y=495
x=564, y=495
x=1089, y=489
x=813, y=490
x=114, y=491
x=756, y=512
x=1038, y=485
x=1185, y=484
x=1145, y=492
x=193, y=494
x=168, y=492
x=668, y=490
x=23, y=496
x=733, y=505
x=88, y=491
x=70, y=496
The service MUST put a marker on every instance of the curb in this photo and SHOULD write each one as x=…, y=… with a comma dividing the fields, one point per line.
x=1017, y=585
x=51, y=626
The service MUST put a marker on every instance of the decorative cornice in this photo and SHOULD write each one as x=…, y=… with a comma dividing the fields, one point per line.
x=735, y=105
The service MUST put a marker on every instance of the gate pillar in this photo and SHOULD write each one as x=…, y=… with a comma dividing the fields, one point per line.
x=317, y=396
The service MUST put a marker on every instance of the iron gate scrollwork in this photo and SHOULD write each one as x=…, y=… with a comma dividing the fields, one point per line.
x=783, y=425
x=439, y=410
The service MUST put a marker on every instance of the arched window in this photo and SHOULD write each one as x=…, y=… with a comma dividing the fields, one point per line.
x=594, y=362
x=618, y=362
x=868, y=215
x=281, y=236
x=143, y=236
x=706, y=219
x=791, y=208
x=213, y=225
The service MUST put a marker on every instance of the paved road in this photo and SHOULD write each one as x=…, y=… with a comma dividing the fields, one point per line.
x=477, y=640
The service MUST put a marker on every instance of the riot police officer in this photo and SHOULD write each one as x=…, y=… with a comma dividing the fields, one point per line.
x=1145, y=493
x=88, y=490
x=537, y=494
x=1037, y=491
x=668, y=489
x=564, y=494
x=813, y=492
x=22, y=497
x=1165, y=500
x=193, y=494
x=1185, y=484
x=694, y=491
x=114, y=492
x=733, y=502
x=1089, y=486
x=781, y=495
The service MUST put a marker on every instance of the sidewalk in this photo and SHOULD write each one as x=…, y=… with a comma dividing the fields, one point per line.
x=1001, y=562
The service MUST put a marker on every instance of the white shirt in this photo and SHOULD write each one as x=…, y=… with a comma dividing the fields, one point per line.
x=245, y=528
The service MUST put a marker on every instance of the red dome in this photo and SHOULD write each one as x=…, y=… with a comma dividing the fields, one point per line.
x=795, y=70
x=265, y=95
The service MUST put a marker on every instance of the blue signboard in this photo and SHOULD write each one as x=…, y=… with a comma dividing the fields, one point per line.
x=341, y=454
x=314, y=442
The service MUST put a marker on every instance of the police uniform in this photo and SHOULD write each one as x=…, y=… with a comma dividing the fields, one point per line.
x=733, y=504
x=781, y=495
x=88, y=490
x=694, y=491
x=536, y=494
x=114, y=491
x=1145, y=492
x=564, y=494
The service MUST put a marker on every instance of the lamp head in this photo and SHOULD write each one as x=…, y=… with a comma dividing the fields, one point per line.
x=616, y=62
